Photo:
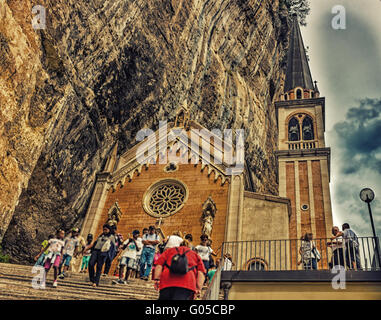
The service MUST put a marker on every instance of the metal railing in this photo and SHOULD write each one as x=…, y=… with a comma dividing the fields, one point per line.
x=297, y=254
x=213, y=290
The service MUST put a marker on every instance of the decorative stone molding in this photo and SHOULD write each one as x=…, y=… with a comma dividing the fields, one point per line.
x=171, y=167
x=182, y=117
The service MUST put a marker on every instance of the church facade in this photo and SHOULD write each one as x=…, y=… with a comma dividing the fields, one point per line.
x=181, y=188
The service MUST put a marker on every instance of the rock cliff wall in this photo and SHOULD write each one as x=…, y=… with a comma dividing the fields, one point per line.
x=104, y=69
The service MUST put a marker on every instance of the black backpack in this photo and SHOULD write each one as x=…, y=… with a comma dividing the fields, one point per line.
x=179, y=263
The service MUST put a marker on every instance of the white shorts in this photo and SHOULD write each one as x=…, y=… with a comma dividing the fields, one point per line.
x=126, y=261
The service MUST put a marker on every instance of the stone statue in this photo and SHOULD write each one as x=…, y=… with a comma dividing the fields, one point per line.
x=114, y=215
x=209, y=210
x=113, y=219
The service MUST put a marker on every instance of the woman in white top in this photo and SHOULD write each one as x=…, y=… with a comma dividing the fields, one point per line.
x=337, y=245
x=174, y=240
x=228, y=264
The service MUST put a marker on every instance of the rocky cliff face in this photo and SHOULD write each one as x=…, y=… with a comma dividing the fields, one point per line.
x=104, y=69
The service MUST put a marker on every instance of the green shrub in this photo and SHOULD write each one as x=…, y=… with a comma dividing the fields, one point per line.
x=4, y=258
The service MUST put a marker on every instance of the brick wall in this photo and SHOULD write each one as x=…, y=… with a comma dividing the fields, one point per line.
x=200, y=186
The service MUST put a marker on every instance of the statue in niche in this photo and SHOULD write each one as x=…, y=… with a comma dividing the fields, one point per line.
x=209, y=210
x=114, y=215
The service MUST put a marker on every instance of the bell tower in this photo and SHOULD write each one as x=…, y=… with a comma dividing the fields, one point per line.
x=303, y=158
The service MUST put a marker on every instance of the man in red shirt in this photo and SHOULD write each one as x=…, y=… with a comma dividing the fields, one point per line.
x=177, y=286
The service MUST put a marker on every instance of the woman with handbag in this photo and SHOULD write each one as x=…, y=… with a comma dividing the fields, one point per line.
x=309, y=253
x=101, y=250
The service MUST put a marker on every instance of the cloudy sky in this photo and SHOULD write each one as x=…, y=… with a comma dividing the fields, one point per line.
x=347, y=65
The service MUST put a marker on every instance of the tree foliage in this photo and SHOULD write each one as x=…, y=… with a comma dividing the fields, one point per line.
x=299, y=7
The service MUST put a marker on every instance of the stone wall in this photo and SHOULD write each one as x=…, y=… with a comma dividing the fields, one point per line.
x=272, y=213
x=101, y=71
x=264, y=217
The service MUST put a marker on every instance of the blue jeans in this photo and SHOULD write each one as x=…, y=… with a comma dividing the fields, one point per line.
x=66, y=260
x=97, y=258
x=40, y=261
x=206, y=265
x=146, y=260
x=311, y=265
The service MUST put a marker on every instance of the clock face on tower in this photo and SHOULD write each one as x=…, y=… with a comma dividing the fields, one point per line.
x=367, y=195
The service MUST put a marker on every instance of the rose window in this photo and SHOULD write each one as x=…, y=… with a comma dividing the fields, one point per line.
x=165, y=198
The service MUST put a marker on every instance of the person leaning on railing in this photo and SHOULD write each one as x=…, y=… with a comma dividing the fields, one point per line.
x=228, y=263
x=352, y=253
x=337, y=247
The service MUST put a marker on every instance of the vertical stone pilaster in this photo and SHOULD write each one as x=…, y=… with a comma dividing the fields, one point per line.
x=96, y=206
x=282, y=179
x=320, y=125
x=235, y=206
x=326, y=197
x=311, y=196
x=297, y=202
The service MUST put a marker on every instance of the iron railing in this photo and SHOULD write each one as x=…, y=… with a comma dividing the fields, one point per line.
x=213, y=290
x=297, y=254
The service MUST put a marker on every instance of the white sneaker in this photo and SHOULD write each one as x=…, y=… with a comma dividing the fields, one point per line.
x=55, y=284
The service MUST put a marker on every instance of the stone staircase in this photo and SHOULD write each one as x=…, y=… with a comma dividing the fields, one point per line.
x=16, y=284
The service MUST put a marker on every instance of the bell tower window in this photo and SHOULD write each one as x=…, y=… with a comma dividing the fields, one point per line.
x=293, y=130
x=298, y=94
x=308, y=128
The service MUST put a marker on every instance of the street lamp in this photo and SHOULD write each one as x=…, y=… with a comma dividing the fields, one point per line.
x=367, y=195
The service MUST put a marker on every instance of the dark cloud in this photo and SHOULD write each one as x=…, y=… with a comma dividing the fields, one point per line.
x=359, y=137
x=357, y=157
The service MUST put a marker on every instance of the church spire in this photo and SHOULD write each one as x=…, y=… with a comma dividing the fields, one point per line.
x=298, y=72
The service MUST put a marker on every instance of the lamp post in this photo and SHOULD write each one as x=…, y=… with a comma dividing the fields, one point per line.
x=367, y=195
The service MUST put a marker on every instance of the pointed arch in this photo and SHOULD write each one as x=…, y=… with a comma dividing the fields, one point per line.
x=308, y=128
x=293, y=129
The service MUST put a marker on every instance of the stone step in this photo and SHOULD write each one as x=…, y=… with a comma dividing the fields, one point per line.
x=137, y=286
x=16, y=283
x=77, y=289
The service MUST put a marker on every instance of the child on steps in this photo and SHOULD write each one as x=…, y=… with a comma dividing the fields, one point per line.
x=86, y=254
x=53, y=258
